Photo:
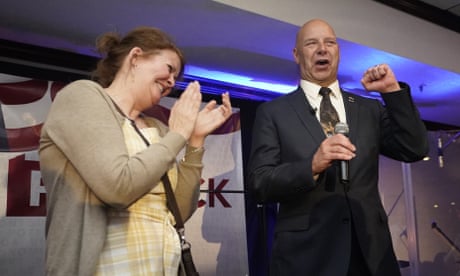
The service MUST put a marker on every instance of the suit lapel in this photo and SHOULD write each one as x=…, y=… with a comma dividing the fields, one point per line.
x=352, y=109
x=302, y=107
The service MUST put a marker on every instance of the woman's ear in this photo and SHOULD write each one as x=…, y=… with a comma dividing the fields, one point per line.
x=133, y=55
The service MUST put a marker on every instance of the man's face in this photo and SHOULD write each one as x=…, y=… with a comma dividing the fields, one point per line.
x=317, y=53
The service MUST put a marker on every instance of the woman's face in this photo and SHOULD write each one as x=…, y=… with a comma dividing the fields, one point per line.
x=155, y=75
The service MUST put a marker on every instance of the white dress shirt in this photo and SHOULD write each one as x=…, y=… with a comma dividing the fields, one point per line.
x=311, y=91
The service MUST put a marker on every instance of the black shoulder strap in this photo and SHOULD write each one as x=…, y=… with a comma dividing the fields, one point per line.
x=171, y=202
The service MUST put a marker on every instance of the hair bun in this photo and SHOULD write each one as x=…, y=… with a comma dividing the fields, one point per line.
x=106, y=42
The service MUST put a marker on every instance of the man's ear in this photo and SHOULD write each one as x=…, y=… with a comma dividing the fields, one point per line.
x=295, y=54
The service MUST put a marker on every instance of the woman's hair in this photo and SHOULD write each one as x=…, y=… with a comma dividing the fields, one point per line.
x=114, y=49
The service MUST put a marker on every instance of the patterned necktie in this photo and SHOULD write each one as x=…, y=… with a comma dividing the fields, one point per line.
x=328, y=116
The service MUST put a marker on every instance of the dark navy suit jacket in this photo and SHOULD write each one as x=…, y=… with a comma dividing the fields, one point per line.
x=313, y=227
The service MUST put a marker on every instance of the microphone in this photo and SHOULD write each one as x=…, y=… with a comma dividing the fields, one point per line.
x=342, y=128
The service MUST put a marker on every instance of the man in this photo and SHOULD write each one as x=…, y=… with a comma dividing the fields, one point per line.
x=326, y=226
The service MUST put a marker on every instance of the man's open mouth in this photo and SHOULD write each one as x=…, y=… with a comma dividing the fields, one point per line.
x=322, y=62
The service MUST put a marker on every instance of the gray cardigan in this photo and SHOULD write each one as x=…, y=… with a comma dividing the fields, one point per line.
x=86, y=168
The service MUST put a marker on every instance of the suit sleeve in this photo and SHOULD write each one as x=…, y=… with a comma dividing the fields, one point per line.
x=403, y=133
x=271, y=177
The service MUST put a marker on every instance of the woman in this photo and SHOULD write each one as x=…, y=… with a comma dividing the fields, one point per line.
x=106, y=205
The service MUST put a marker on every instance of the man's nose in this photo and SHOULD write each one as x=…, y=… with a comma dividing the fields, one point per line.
x=321, y=47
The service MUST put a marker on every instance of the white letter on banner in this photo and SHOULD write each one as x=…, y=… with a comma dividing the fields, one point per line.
x=35, y=188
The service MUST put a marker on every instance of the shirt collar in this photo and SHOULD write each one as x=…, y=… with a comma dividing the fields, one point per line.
x=311, y=89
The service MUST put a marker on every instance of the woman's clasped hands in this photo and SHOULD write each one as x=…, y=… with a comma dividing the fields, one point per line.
x=194, y=124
